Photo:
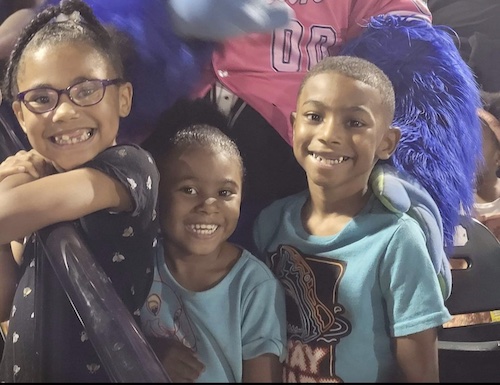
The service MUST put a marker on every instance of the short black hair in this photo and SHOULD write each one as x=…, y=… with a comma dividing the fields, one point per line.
x=188, y=123
x=359, y=69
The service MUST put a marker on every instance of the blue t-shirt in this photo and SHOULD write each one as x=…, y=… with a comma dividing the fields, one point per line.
x=240, y=318
x=348, y=294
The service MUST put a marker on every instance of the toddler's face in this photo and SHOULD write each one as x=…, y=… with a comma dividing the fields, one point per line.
x=341, y=129
x=200, y=199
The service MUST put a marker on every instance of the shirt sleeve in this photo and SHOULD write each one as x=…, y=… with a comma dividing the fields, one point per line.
x=416, y=8
x=362, y=11
x=264, y=321
x=410, y=284
x=135, y=169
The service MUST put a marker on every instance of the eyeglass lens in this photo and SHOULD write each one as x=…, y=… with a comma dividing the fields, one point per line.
x=83, y=94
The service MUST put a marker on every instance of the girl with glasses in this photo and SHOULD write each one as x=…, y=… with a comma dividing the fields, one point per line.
x=65, y=78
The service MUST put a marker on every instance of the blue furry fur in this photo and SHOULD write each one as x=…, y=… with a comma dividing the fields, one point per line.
x=436, y=101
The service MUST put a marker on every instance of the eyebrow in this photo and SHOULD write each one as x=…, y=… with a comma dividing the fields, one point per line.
x=191, y=178
x=74, y=81
x=351, y=108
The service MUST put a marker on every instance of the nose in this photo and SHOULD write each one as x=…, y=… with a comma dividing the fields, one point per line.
x=209, y=205
x=331, y=131
x=65, y=109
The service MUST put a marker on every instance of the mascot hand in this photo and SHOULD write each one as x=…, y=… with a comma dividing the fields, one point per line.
x=216, y=20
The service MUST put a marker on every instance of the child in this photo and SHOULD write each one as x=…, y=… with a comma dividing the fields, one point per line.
x=363, y=299
x=215, y=313
x=65, y=76
x=487, y=196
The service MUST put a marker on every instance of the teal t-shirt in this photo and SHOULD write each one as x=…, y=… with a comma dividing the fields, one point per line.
x=348, y=294
x=240, y=318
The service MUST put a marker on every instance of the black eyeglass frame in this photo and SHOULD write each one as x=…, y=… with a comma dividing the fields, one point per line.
x=104, y=83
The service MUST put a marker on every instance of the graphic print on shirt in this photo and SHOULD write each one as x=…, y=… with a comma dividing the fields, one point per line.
x=287, y=55
x=315, y=324
x=168, y=318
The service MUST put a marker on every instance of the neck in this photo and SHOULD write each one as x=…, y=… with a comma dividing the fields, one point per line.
x=326, y=214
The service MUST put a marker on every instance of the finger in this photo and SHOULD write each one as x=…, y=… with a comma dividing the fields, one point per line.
x=32, y=170
x=189, y=359
x=24, y=166
x=489, y=118
x=8, y=171
x=184, y=365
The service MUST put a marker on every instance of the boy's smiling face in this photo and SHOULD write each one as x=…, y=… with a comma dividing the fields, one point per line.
x=340, y=130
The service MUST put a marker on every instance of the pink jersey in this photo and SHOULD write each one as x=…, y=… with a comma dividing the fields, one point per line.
x=265, y=70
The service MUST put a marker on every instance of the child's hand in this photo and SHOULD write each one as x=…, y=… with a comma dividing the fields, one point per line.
x=179, y=361
x=6, y=171
x=491, y=121
x=30, y=162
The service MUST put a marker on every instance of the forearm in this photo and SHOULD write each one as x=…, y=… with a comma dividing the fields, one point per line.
x=12, y=181
x=417, y=355
x=15, y=211
x=264, y=368
x=9, y=273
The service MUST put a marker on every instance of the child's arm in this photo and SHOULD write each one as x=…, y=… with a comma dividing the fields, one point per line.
x=56, y=198
x=417, y=355
x=28, y=165
x=9, y=271
x=264, y=368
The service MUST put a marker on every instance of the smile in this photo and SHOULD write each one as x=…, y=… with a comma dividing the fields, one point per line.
x=203, y=229
x=78, y=137
x=328, y=161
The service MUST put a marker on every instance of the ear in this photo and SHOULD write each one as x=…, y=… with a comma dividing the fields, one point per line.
x=389, y=143
x=18, y=111
x=293, y=117
x=125, y=99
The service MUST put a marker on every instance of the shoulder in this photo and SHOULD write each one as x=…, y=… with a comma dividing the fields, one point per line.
x=125, y=152
x=284, y=205
x=413, y=8
x=399, y=226
x=282, y=212
x=131, y=160
x=253, y=271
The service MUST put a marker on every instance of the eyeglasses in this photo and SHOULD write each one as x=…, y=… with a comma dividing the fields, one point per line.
x=84, y=94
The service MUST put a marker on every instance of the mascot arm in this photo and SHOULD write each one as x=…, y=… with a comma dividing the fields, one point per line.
x=217, y=20
x=401, y=193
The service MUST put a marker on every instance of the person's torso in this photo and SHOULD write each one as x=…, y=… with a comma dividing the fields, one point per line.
x=211, y=322
x=338, y=296
x=54, y=344
x=265, y=70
